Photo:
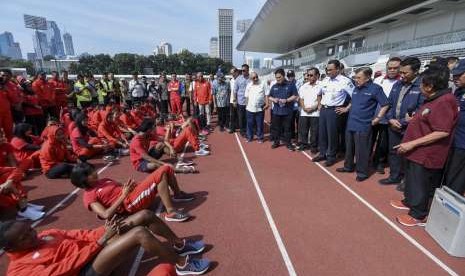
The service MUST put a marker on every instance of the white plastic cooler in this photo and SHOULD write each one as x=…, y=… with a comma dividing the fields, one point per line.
x=446, y=221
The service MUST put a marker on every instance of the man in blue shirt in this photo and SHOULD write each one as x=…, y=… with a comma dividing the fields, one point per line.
x=405, y=98
x=365, y=99
x=282, y=95
x=239, y=91
x=454, y=176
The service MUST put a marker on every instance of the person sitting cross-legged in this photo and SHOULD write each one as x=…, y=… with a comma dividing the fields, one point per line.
x=106, y=197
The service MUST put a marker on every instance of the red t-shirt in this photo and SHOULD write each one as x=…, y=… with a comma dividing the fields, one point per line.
x=75, y=136
x=173, y=87
x=31, y=110
x=106, y=191
x=139, y=145
x=19, y=144
x=5, y=150
x=437, y=114
x=202, y=92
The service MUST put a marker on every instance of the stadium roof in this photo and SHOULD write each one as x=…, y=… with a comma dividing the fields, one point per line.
x=285, y=25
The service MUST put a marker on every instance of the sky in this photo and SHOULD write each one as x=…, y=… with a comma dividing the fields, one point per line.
x=116, y=26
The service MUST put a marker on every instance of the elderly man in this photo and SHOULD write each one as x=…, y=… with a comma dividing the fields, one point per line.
x=256, y=105
x=240, y=85
x=221, y=95
x=365, y=99
x=454, y=176
x=426, y=144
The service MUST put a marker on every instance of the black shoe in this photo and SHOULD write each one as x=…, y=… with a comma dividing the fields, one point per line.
x=388, y=181
x=300, y=148
x=361, y=178
x=344, y=170
x=329, y=163
x=319, y=158
x=380, y=169
x=274, y=145
x=290, y=148
x=314, y=151
x=401, y=187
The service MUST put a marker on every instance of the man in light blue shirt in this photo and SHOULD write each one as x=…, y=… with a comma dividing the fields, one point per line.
x=240, y=85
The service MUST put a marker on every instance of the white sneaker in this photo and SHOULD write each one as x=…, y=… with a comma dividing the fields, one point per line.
x=36, y=207
x=124, y=152
x=185, y=163
x=202, y=152
x=204, y=146
x=32, y=214
x=109, y=158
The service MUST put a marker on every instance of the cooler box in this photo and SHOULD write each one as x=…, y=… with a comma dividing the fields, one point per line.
x=446, y=221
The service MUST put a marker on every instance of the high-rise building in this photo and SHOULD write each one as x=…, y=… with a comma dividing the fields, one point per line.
x=8, y=47
x=254, y=63
x=214, y=51
x=225, y=34
x=54, y=40
x=267, y=63
x=31, y=56
x=68, y=40
x=164, y=48
x=41, y=46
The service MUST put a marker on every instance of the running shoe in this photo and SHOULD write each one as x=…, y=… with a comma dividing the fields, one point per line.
x=204, y=146
x=193, y=267
x=409, y=221
x=177, y=216
x=398, y=204
x=36, y=207
x=31, y=213
x=202, y=152
x=190, y=247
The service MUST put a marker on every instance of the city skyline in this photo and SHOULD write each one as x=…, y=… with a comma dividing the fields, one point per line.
x=225, y=34
x=114, y=29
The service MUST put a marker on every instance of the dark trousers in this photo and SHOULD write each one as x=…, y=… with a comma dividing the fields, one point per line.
x=420, y=183
x=223, y=116
x=60, y=170
x=281, y=127
x=396, y=161
x=186, y=100
x=50, y=112
x=328, y=133
x=241, y=117
x=295, y=123
x=358, y=146
x=255, y=120
x=164, y=107
x=341, y=121
x=454, y=176
x=308, y=126
x=233, y=121
x=381, y=142
x=37, y=122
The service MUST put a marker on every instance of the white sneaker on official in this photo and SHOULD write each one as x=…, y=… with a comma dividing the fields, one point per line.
x=32, y=214
x=36, y=207
x=202, y=152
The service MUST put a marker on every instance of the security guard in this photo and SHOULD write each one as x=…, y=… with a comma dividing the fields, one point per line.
x=404, y=100
x=82, y=92
x=335, y=89
x=365, y=99
x=107, y=88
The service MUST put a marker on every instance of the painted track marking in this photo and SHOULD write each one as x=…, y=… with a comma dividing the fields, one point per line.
x=274, y=228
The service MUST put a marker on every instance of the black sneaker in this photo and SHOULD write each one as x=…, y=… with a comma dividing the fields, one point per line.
x=290, y=148
x=274, y=145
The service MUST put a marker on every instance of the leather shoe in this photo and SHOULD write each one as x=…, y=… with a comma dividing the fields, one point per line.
x=318, y=158
x=344, y=170
x=388, y=181
x=361, y=178
x=329, y=163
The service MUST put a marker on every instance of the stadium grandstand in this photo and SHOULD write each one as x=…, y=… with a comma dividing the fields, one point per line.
x=357, y=32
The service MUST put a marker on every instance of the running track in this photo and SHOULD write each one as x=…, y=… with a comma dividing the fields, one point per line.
x=273, y=212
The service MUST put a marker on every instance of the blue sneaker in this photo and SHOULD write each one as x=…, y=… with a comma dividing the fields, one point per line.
x=193, y=267
x=190, y=247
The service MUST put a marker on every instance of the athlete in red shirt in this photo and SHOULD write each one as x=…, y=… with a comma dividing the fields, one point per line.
x=174, y=88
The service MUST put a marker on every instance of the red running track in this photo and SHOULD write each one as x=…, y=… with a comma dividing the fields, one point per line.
x=325, y=230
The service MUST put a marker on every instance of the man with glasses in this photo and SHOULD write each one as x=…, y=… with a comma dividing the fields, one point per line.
x=335, y=89
x=240, y=85
x=282, y=95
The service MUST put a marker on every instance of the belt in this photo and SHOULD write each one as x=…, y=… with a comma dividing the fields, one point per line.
x=330, y=107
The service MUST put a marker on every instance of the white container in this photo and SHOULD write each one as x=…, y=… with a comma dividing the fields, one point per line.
x=446, y=221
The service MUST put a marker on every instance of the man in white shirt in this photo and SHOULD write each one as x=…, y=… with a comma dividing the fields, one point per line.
x=380, y=131
x=136, y=88
x=309, y=113
x=233, y=120
x=255, y=106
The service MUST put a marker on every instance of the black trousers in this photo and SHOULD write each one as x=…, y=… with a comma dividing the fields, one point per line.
x=454, y=175
x=50, y=112
x=223, y=116
x=420, y=183
x=396, y=161
x=341, y=121
x=187, y=100
x=37, y=122
x=281, y=127
x=242, y=119
x=381, y=142
x=60, y=170
x=328, y=133
x=164, y=107
x=358, y=146
x=308, y=126
x=295, y=124
x=233, y=121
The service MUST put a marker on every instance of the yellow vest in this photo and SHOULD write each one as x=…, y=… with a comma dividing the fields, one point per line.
x=85, y=95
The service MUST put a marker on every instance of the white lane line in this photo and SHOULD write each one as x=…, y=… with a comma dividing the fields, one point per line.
x=140, y=253
x=64, y=200
x=387, y=220
x=274, y=229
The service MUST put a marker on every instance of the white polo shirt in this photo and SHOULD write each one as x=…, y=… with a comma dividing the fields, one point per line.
x=309, y=94
x=386, y=84
x=255, y=94
x=335, y=90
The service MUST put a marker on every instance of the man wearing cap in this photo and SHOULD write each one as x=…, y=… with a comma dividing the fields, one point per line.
x=454, y=176
x=239, y=90
x=221, y=95
x=335, y=89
